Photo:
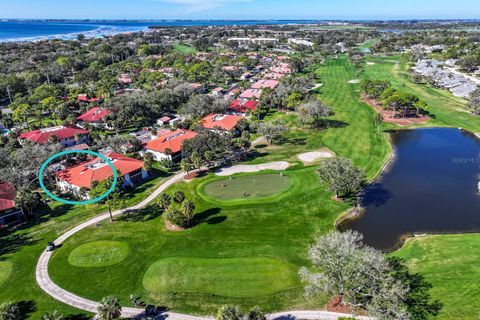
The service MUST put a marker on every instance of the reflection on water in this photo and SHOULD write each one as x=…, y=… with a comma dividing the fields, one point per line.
x=431, y=187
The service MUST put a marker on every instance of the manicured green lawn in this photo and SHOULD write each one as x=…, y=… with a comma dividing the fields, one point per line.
x=244, y=253
x=351, y=133
x=246, y=277
x=5, y=270
x=247, y=186
x=183, y=48
x=23, y=247
x=276, y=229
x=446, y=109
x=98, y=254
x=279, y=227
x=452, y=264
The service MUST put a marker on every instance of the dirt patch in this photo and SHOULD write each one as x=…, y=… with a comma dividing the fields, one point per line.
x=393, y=117
x=336, y=305
x=171, y=227
x=313, y=156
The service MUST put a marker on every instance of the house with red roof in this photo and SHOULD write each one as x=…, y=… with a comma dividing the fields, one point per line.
x=274, y=76
x=251, y=94
x=9, y=213
x=125, y=78
x=168, y=145
x=265, y=83
x=284, y=68
x=218, y=92
x=86, y=99
x=221, y=122
x=66, y=135
x=242, y=107
x=95, y=116
x=83, y=175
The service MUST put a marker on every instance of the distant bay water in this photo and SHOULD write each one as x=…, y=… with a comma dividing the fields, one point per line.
x=41, y=30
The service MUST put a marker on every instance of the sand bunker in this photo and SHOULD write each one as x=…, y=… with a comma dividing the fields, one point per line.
x=315, y=155
x=280, y=165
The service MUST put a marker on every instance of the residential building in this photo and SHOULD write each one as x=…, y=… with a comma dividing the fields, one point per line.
x=66, y=135
x=125, y=79
x=166, y=120
x=83, y=175
x=9, y=213
x=169, y=144
x=264, y=83
x=239, y=107
x=218, y=92
x=95, y=116
x=221, y=122
x=301, y=42
x=86, y=99
x=251, y=94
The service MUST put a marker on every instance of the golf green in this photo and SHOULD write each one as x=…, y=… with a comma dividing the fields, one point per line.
x=98, y=254
x=248, y=186
x=230, y=277
x=5, y=270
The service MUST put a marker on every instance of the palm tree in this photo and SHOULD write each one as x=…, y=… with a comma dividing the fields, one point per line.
x=186, y=165
x=187, y=209
x=109, y=309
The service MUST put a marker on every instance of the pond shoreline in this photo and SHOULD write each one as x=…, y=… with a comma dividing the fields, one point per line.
x=358, y=211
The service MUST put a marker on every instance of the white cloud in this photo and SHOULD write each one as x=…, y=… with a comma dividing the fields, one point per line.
x=201, y=5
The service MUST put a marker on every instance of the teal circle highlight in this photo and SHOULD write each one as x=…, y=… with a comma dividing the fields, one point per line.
x=51, y=195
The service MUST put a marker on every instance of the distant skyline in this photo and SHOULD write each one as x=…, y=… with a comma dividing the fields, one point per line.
x=240, y=9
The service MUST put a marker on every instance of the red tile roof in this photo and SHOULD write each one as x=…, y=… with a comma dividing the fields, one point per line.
x=165, y=119
x=171, y=140
x=261, y=84
x=125, y=78
x=251, y=93
x=62, y=132
x=238, y=106
x=97, y=169
x=95, y=114
x=82, y=146
x=84, y=98
x=223, y=121
x=7, y=196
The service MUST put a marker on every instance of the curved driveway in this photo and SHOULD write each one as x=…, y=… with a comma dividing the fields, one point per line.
x=47, y=285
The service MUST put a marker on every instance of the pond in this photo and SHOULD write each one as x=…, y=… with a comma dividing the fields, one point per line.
x=430, y=187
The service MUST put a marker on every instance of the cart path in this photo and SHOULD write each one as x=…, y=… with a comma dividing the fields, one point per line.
x=47, y=285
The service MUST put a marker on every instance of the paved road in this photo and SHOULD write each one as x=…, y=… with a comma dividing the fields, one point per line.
x=47, y=285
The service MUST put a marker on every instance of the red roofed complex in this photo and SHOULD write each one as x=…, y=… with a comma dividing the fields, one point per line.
x=64, y=134
x=95, y=115
x=282, y=68
x=262, y=84
x=251, y=93
x=241, y=108
x=82, y=175
x=223, y=122
x=172, y=141
x=8, y=212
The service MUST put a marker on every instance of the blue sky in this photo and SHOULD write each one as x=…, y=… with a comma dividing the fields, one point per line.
x=240, y=9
